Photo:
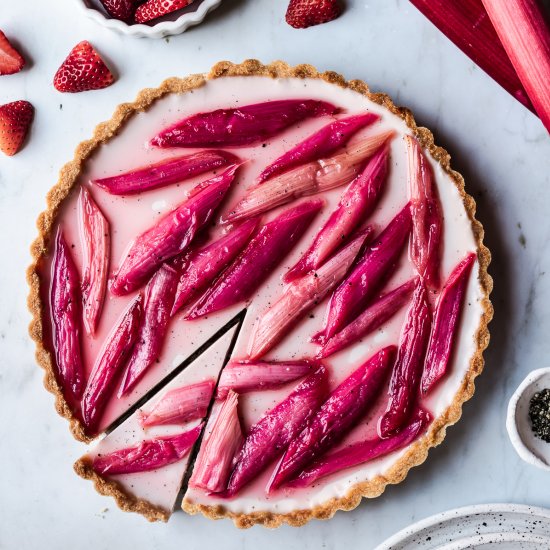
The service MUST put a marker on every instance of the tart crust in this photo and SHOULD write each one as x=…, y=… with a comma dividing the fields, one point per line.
x=68, y=177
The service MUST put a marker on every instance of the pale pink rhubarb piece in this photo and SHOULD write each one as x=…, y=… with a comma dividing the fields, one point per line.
x=309, y=179
x=240, y=126
x=338, y=414
x=150, y=454
x=407, y=372
x=256, y=262
x=166, y=172
x=445, y=325
x=171, y=235
x=215, y=459
x=321, y=144
x=427, y=216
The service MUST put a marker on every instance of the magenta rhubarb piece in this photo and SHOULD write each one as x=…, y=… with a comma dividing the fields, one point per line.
x=407, y=372
x=363, y=452
x=380, y=311
x=215, y=459
x=159, y=298
x=309, y=179
x=355, y=206
x=65, y=312
x=321, y=144
x=109, y=364
x=171, y=235
x=445, y=325
x=166, y=172
x=271, y=435
x=203, y=266
x=96, y=242
x=241, y=126
x=268, y=247
x=150, y=454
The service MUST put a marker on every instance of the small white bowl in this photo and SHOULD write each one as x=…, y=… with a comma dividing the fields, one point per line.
x=530, y=448
x=192, y=15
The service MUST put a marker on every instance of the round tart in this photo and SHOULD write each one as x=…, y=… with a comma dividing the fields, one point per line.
x=265, y=288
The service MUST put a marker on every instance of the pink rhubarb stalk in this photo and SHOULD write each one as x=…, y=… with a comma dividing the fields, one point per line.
x=246, y=125
x=447, y=314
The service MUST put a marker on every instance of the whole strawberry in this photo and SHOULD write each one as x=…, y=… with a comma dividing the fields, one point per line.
x=10, y=59
x=15, y=121
x=121, y=9
x=301, y=14
x=153, y=9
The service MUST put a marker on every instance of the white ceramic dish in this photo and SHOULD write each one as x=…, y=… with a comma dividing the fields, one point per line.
x=531, y=449
x=181, y=21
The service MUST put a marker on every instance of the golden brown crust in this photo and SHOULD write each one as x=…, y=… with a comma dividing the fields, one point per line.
x=416, y=454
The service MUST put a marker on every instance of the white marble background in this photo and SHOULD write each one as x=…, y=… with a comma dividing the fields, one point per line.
x=502, y=150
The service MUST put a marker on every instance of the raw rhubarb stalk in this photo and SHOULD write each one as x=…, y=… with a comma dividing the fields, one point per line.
x=378, y=261
x=109, y=364
x=300, y=297
x=445, y=325
x=96, y=241
x=203, y=266
x=248, y=376
x=271, y=435
x=268, y=247
x=363, y=452
x=309, y=179
x=356, y=204
x=407, y=372
x=246, y=125
x=321, y=144
x=150, y=454
x=171, y=235
x=524, y=31
x=159, y=298
x=338, y=414
x=384, y=308
x=180, y=405
x=65, y=311
x=427, y=216
x=165, y=172
x=467, y=24
x=215, y=459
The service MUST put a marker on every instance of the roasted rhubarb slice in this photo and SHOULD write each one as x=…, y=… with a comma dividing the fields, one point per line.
x=350, y=298
x=203, y=266
x=407, y=372
x=321, y=144
x=150, y=454
x=338, y=414
x=363, y=451
x=159, y=298
x=270, y=436
x=271, y=244
x=109, y=364
x=166, y=172
x=427, y=217
x=65, y=312
x=246, y=125
x=171, y=235
x=96, y=241
x=300, y=296
x=356, y=204
x=385, y=307
x=215, y=459
x=445, y=325
x=309, y=179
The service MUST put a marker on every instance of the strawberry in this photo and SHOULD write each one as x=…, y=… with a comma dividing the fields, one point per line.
x=82, y=70
x=15, y=121
x=121, y=9
x=301, y=14
x=10, y=59
x=153, y=9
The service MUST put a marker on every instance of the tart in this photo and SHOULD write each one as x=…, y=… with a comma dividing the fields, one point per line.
x=300, y=227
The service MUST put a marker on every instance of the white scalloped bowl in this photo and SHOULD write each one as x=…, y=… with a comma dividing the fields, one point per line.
x=168, y=26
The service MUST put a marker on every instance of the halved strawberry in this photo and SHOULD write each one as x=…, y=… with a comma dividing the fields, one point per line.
x=82, y=70
x=121, y=9
x=153, y=9
x=10, y=59
x=15, y=121
x=301, y=14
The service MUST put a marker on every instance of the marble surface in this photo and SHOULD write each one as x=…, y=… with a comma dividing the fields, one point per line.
x=502, y=150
